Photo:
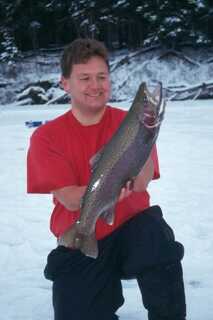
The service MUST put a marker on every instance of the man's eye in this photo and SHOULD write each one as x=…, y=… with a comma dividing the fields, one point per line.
x=84, y=79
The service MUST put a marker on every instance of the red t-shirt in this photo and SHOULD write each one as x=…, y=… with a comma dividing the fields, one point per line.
x=59, y=155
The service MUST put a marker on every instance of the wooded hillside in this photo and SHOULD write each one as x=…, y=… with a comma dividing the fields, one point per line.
x=33, y=24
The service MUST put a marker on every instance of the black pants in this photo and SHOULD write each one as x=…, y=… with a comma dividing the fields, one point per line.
x=144, y=248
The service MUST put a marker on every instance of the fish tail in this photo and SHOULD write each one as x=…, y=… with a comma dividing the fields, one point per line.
x=74, y=239
x=89, y=245
x=68, y=238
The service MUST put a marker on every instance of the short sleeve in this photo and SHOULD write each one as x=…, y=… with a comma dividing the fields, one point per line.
x=47, y=167
x=154, y=156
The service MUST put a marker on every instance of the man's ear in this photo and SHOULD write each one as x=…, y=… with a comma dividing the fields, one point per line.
x=64, y=83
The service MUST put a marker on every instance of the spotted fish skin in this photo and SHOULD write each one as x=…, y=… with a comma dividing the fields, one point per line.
x=121, y=159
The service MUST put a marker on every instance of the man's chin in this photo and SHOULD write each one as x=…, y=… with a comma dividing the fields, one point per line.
x=96, y=106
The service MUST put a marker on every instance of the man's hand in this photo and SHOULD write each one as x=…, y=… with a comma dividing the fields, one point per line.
x=139, y=183
x=70, y=196
x=145, y=176
x=126, y=190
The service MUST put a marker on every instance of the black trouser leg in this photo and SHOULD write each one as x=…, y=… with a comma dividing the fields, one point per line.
x=152, y=256
x=85, y=288
x=162, y=291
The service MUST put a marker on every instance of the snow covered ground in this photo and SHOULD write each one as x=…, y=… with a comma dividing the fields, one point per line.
x=184, y=193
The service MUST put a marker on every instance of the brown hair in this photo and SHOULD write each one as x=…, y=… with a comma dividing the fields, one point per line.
x=80, y=51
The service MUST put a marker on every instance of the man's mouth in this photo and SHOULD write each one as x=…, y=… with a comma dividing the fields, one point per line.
x=94, y=95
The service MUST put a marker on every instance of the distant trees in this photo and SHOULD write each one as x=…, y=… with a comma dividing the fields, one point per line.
x=32, y=24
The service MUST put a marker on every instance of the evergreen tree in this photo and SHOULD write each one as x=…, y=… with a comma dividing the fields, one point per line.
x=203, y=22
x=33, y=24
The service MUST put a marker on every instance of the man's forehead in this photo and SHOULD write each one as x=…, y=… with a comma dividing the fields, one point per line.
x=93, y=61
x=92, y=72
x=85, y=69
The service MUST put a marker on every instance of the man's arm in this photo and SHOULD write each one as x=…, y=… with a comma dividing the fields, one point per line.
x=70, y=196
x=139, y=183
x=144, y=177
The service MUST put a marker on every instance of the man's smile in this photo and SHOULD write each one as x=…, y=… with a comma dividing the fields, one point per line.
x=94, y=95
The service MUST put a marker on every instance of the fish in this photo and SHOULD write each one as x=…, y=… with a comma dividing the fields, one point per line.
x=119, y=161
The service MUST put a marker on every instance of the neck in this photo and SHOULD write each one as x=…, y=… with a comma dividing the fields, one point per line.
x=87, y=118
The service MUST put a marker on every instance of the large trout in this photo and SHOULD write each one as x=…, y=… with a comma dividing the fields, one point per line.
x=119, y=161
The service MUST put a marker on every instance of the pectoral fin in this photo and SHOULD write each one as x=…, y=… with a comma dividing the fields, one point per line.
x=109, y=215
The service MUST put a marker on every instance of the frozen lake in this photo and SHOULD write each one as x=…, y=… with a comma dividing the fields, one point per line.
x=184, y=192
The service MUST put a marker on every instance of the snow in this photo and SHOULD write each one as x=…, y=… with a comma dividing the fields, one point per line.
x=27, y=91
x=151, y=68
x=172, y=19
x=184, y=193
x=120, y=3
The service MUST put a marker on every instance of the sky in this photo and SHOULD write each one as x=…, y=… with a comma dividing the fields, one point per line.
x=184, y=193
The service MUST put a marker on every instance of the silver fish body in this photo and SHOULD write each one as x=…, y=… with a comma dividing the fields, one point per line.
x=119, y=161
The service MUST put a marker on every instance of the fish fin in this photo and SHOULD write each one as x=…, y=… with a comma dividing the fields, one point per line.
x=70, y=237
x=73, y=239
x=109, y=215
x=89, y=246
x=94, y=160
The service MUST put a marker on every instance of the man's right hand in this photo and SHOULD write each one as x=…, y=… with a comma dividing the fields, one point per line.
x=70, y=197
x=126, y=190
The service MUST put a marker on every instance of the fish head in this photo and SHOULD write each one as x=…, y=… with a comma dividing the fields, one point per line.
x=153, y=107
x=149, y=107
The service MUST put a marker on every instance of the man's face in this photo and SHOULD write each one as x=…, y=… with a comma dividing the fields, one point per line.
x=89, y=84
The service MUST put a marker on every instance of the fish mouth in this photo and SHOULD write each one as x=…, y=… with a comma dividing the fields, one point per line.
x=154, y=108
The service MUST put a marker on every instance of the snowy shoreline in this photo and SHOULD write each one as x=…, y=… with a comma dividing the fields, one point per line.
x=36, y=79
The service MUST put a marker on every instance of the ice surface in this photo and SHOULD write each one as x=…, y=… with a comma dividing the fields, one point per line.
x=184, y=193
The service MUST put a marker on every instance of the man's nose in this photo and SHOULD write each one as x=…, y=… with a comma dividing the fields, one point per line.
x=95, y=83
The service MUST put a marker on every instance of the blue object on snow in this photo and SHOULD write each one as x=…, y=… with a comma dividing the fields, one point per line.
x=32, y=124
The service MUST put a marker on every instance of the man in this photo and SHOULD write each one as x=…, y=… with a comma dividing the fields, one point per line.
x=139, y=244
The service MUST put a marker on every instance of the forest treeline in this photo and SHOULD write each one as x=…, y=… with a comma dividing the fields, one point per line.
x=34, y=24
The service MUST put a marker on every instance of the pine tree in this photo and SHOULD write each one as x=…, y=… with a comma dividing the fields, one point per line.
x=33, y=24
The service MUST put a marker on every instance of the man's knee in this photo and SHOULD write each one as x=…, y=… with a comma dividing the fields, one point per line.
x=95, y=281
